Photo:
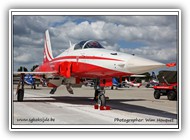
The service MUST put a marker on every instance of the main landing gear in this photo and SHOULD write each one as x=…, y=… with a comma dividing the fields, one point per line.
x=20, y=90
x=53, y=90
x=99, y=97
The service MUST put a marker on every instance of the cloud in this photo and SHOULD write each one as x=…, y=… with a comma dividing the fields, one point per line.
x=141, y=21
x=155, y=35
x=23, y=58
x=160, y=54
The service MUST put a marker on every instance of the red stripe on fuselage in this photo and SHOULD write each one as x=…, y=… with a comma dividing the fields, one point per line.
x=85, y=70
x=85, y=57
x=81, y=69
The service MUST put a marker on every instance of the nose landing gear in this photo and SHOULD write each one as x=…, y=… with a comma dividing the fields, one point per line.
x=20, y=91
x=100, y=98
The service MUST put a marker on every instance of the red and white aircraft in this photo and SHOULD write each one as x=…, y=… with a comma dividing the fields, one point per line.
x=87, y=59
x=132, y=83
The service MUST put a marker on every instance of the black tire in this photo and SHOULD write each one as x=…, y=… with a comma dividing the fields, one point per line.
x=157, y=94
x=53, y=91
x=96, y=96
x=172, y=95
x=20, y=95
x=148, y=85
x=34, y=86
x=102, y=100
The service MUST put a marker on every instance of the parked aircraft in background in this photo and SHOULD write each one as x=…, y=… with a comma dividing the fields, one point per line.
x=133, y=83
x=29, y=80
x=116, y=84
x=87, y=59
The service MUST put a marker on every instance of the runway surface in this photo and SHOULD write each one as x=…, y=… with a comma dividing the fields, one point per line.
x=128, y=106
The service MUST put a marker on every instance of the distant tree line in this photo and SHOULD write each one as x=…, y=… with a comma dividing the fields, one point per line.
x=21, y=68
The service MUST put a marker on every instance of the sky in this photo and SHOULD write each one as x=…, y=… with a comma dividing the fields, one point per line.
x=152, y=37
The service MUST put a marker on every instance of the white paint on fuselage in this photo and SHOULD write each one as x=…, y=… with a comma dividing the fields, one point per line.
x=127, y=63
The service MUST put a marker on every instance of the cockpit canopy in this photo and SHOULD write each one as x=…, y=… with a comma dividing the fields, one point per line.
x=88, y=44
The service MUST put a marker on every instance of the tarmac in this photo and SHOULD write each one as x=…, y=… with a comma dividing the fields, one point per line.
x=129, y=106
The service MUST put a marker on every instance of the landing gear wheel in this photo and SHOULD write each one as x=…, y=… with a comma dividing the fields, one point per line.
x=53, y=91
x=148, y=85
x=102, y=100
x=96, y=95
x=20, y=95
x=171, y=95
x=34, y=86
x=157, y=94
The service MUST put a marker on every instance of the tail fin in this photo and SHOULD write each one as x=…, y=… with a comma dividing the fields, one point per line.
x=70, y=43
x=48, y=56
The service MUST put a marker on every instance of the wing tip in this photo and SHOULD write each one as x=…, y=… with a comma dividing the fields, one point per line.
x=173, y=64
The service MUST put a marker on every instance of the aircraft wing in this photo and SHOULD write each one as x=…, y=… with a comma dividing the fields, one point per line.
x=34, y=73
x=137, y=75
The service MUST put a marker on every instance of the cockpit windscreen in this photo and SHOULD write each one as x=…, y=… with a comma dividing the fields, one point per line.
x=88, y=44
x=93, y=44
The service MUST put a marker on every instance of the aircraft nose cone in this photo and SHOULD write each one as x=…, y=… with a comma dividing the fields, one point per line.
x=139, y=65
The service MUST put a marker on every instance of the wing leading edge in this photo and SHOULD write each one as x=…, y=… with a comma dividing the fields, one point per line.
x=35, y=73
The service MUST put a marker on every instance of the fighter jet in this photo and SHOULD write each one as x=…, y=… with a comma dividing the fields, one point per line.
x=87, y=59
